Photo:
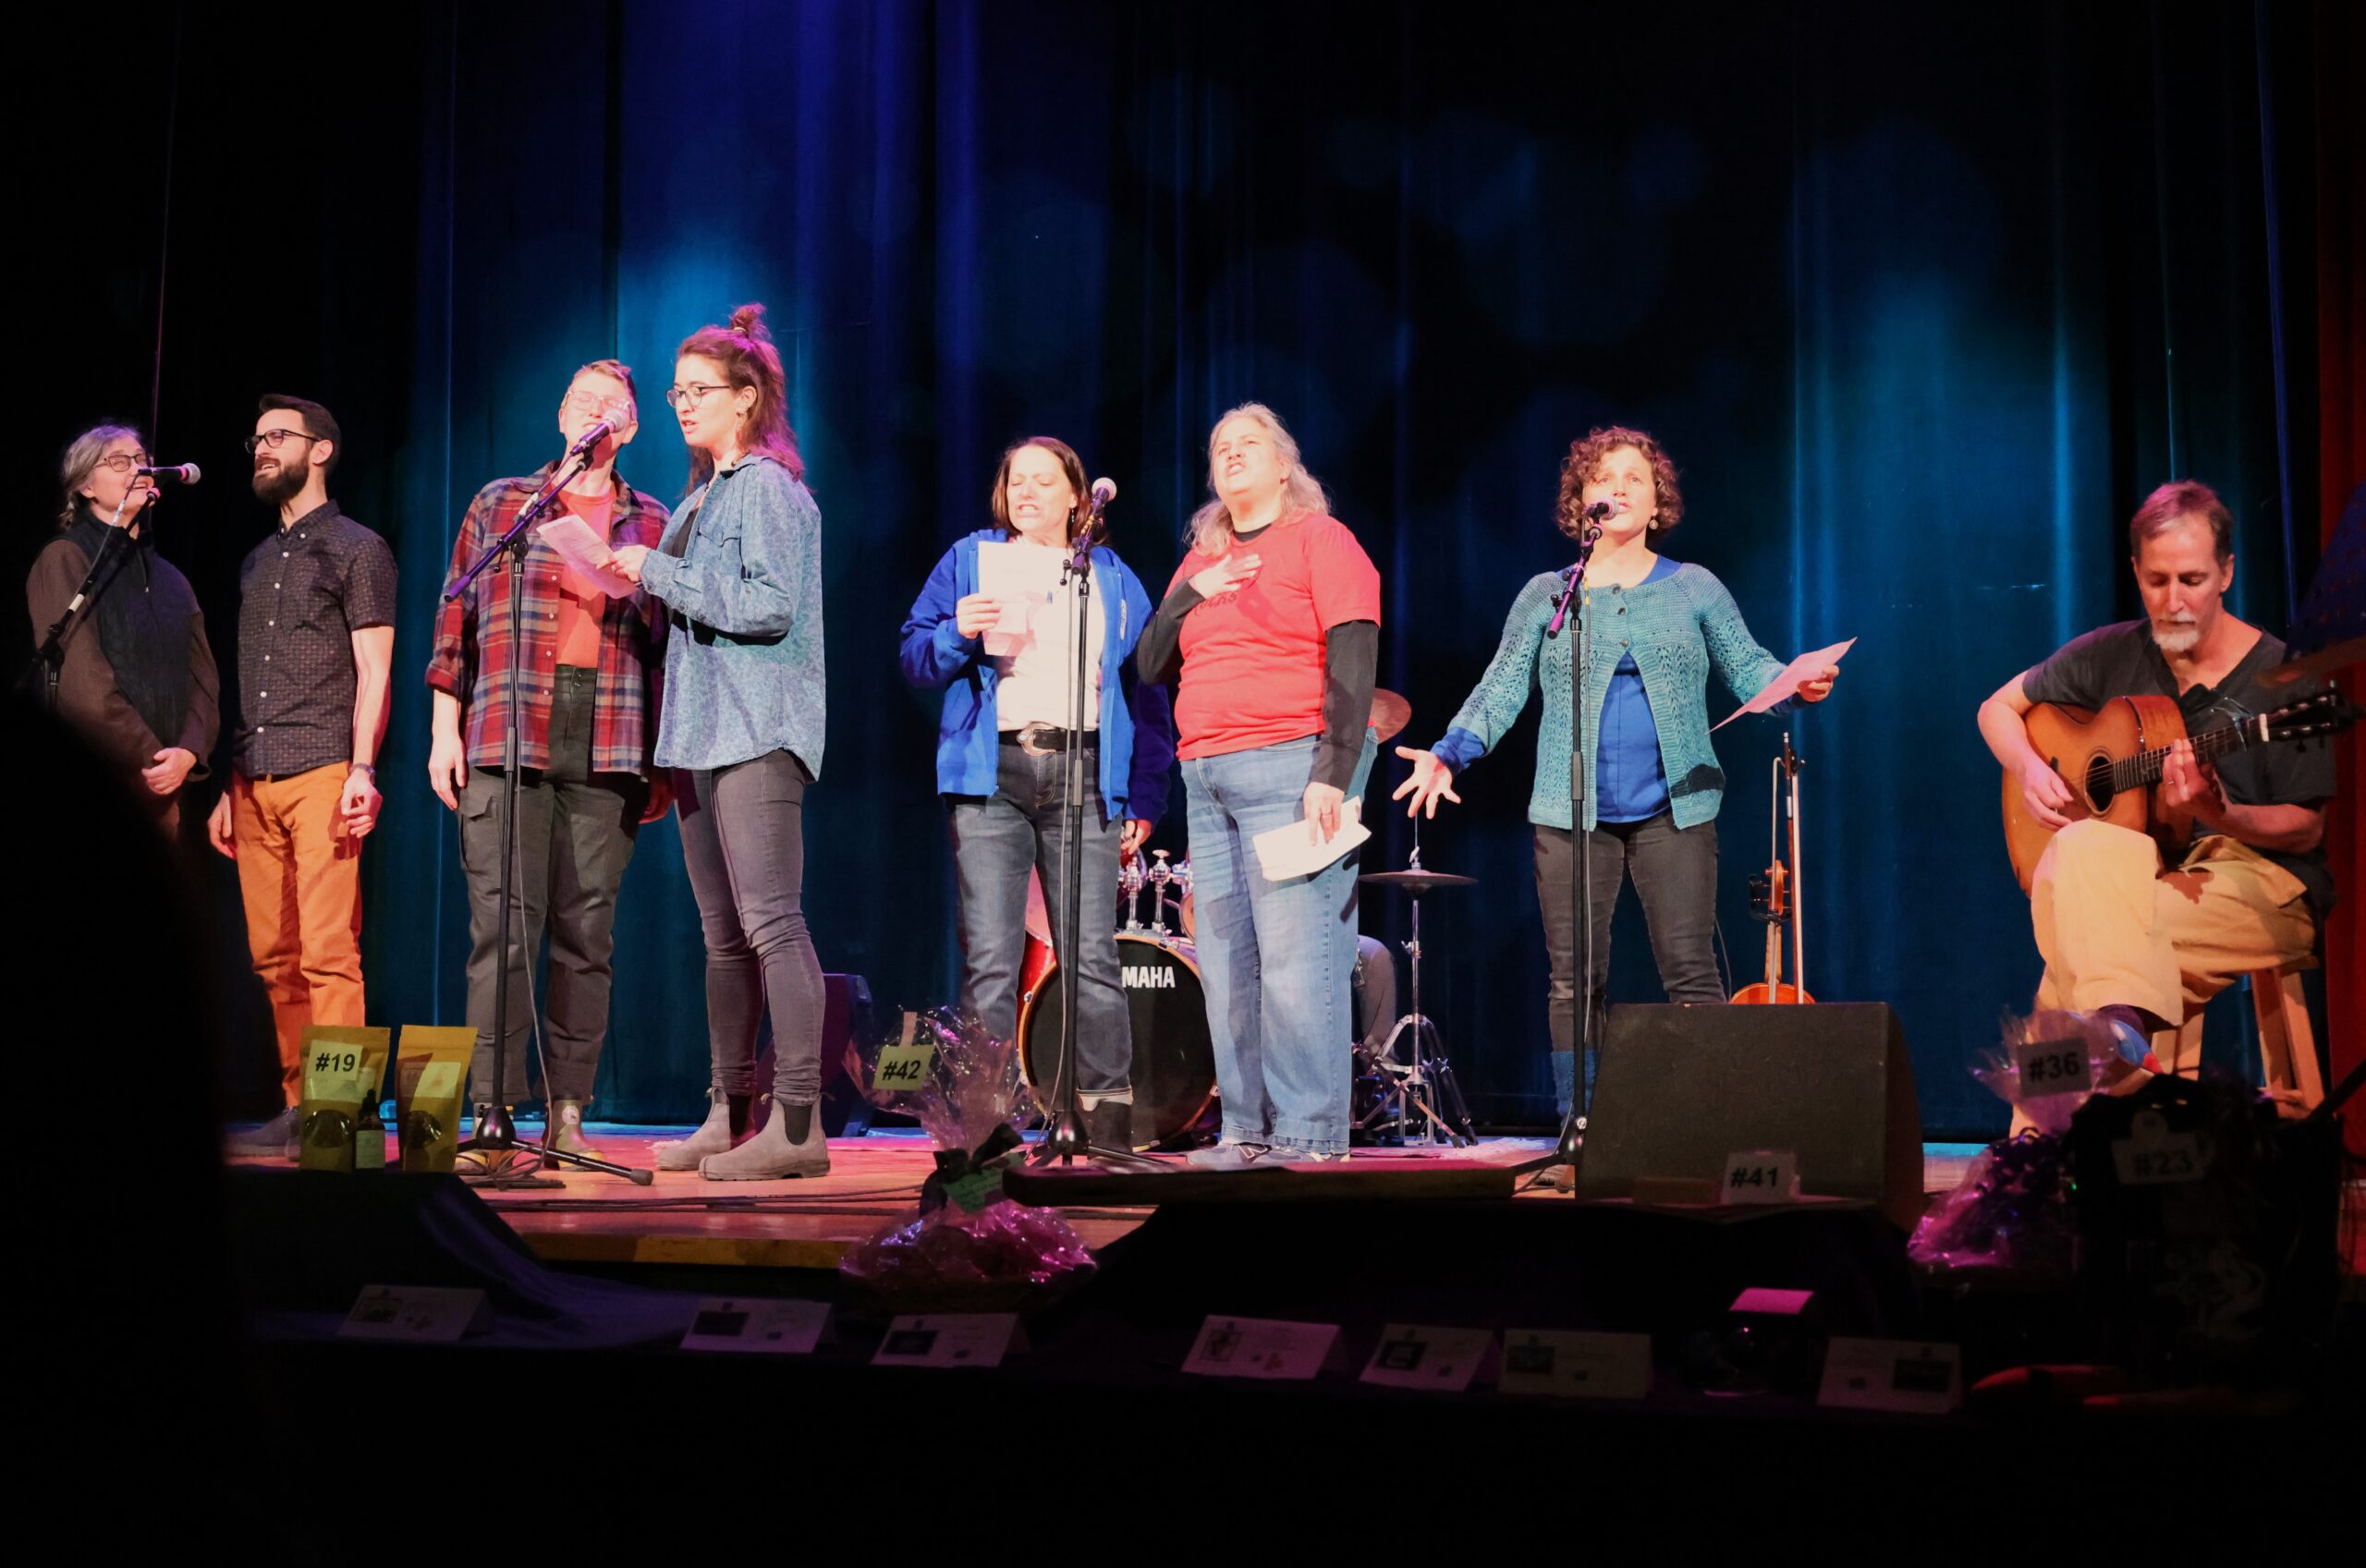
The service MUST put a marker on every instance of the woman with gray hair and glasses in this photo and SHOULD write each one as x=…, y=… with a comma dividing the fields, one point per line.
x=133, y=674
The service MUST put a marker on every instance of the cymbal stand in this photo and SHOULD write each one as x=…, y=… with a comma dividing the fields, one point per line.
x=1424, y=1080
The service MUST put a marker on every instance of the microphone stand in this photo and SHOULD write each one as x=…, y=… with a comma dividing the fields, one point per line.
x=1066, y=1139
x=493, y=1141
x=50, y=657
x=1571, y=1149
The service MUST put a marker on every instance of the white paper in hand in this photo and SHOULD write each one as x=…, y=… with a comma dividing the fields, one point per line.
x=1290, y=850
x=1025, y=580
x=585, y=551
x=1796, y=674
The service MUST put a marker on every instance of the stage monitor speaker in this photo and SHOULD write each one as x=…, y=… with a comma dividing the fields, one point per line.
x=1681, y=1087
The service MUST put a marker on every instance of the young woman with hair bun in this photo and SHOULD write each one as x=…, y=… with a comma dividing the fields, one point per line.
x=739, y=573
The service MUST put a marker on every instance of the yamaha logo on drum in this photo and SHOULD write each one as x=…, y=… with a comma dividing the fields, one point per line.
x=1146, y=976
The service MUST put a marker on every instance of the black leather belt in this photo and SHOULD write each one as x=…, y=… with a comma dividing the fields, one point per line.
x=1042, y=740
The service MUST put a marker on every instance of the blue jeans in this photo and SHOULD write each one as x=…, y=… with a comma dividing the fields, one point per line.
x=996, y=841
x=1276, y=957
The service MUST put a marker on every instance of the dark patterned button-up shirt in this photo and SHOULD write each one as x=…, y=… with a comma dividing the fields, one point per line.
x=475, y=657
x=302, y=595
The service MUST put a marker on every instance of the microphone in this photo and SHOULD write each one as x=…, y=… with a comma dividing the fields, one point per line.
x=1104, y=491
x=179, y=473
x=1592, y=517
x=593, y=438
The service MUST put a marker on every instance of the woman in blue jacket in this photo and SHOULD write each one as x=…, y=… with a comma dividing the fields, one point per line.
x=1654, y=629
x=1007, y=667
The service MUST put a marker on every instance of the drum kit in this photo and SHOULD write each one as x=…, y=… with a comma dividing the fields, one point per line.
x=1406, y=1096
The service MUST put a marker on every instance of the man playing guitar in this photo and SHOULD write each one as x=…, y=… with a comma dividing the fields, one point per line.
x=2136, y=945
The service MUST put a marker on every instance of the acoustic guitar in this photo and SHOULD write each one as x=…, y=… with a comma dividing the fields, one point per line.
x=2112, y=759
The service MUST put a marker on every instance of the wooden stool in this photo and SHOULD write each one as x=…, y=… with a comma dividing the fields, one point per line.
x=2287, y=1042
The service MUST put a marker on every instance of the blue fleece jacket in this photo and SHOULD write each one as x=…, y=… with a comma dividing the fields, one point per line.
x=1137, y=720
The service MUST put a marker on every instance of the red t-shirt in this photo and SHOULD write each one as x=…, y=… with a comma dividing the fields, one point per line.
x=1252, y=659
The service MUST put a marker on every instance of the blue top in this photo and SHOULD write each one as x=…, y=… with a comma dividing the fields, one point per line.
x=1671, y=629
x=1137, y=744
x=1630, y=781
x=743, y=664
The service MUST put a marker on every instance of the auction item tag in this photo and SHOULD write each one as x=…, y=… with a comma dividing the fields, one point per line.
x=337, y=1069
x=431, y=1313
x=904, y=1065
x=777, y=1328
x=1761, y=1176
x=2152, y=1155
x=1261, y=1347
x=951, y=1339
x=1576, y=1366
x=2048, y=1067
x=1764, y=1301
x=1900, y=1374
x=439, y=1080
x=1443, y=1359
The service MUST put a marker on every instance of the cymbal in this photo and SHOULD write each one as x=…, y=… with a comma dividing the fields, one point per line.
x=1418, y=882
x=2324, y=662
x=1390, y=713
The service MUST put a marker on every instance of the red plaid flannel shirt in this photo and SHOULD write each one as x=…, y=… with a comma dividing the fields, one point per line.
x=474, y=657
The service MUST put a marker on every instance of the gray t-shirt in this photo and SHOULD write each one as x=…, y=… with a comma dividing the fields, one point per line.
x=2122, y=661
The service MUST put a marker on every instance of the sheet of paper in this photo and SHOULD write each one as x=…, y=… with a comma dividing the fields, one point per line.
x=1442, y=1360
x=764, y=1327
x=951, y=1339
x=1796, y=674
x=584, y=550
x=1263, y=1348
x=1576, y=1366
x=1920, y=1379
x=1290, y=850
x=1027, y=580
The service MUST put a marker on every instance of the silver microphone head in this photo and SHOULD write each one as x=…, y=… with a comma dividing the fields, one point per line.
x=1104, y=491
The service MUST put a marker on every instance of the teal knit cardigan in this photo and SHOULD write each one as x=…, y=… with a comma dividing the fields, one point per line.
x=1676, y=627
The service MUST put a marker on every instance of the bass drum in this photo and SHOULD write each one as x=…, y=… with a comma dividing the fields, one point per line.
x=1175, y=1064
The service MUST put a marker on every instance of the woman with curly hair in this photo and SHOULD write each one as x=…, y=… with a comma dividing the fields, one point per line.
x=1655, y=628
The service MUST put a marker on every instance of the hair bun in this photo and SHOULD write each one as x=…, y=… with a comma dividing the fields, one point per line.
x=749, y=319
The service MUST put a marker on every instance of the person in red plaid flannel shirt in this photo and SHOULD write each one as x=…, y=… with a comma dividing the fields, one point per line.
x=592, y=672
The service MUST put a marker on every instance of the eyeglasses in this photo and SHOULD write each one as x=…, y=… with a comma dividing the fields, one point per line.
x=680, y=397
x=122, y=462
x=618, y=409
x=272, y=437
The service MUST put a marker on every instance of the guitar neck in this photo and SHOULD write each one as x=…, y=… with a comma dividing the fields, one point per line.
x=2144, y=767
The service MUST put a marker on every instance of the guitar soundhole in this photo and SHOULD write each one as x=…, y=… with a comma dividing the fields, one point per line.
x=2099, y=786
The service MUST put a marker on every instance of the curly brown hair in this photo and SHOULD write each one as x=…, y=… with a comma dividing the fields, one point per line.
x=1586, y=455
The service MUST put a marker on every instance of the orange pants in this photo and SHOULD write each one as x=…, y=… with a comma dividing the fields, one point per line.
x=2114, y=927
x=300, y=876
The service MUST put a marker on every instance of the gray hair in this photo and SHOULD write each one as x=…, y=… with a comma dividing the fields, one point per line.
x=1302, y=494
x=82, y=460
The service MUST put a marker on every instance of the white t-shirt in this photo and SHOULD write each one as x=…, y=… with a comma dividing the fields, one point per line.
x=1035, y=675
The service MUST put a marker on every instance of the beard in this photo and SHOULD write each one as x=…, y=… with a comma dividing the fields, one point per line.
x=2178, y=637
x=283, y=484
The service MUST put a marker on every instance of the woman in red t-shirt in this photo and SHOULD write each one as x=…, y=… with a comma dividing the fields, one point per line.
x=1272, y=623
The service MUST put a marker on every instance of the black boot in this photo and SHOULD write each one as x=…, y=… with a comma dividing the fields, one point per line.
x=1110, y=1124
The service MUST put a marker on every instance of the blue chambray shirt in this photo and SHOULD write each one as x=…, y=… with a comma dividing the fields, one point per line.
x=743, y=666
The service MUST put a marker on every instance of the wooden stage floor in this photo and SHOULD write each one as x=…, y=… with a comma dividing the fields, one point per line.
x=875, y=1182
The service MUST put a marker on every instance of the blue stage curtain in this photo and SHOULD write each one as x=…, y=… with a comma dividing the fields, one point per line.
x=1921, y=299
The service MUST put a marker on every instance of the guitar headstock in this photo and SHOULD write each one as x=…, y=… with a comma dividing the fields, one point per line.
x=2327, y=712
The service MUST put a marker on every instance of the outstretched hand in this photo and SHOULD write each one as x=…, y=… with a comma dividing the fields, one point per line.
x=1432, y=781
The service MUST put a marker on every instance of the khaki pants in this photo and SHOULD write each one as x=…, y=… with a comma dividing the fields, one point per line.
x=300, y=877
x=2115, y=927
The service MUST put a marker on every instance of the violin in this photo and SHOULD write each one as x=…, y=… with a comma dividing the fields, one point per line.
x=1775, y=893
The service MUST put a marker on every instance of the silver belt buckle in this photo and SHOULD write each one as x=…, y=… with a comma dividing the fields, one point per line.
x=1027, y=733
